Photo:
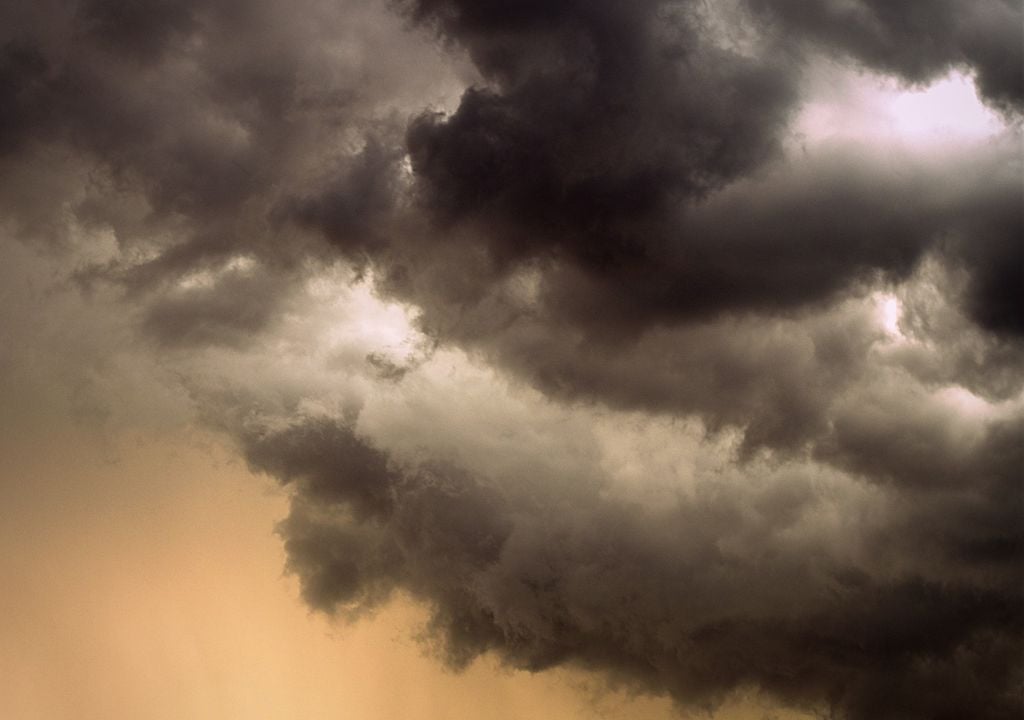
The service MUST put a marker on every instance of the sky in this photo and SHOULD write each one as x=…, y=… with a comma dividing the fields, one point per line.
x=443, y=359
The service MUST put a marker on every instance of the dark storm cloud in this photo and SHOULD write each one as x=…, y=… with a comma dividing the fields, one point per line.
x=730, y=588
x=610, y=151
x=609, y=219
x=185, y=130
x=22, y=69
x=331, y=465
x=611, y=213
x=355, y=208
x=595, y=150
x=138, y=31
x=229, y=309
x=727, y=323
x=600, y=121
x=917, y=40
x=996, y=263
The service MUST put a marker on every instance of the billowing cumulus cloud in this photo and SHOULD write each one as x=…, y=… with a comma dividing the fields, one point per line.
x=552, y=316
x=875, y=580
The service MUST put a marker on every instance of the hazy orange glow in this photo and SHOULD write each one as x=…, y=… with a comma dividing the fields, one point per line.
x=143, y=579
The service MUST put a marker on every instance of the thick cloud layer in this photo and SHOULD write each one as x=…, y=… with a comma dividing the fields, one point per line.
x=624, y=164
x=901, y=600
x=184, y=129
x=672, y=393
x=604, y=128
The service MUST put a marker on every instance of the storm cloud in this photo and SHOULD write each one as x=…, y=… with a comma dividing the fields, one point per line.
x=797, y=580
x=915, y=40
x=549, y=315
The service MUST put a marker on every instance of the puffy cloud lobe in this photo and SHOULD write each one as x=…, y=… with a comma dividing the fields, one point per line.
x=617, y=157
x=331, y=465
x=747, y=582
x=21, y=70
x=227, y=307
x=589, y=156
x=600, y=120
x=721, y=327
x=187, y=129
x=355, y=209
x=996, y=266
x=880, y=579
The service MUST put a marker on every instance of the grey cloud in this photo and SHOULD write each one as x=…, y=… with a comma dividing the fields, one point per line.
x=338, y=564
x=22, y=69
x=187, y=128
x=693, y=599
x=596, y=149
x=629, y=166
x=610, y=214
x=917, y=40
x=604, y=130
x=897, y=435
x=730, y=325
x=979, y=361
x=231, y=310
x=996, y=266
x=599, y=122
x=331, y=465
x=354, y=209
x=139, y=31
x=881, y=579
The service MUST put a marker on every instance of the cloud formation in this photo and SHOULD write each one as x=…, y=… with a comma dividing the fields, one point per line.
x=547, y=316
x=917, y=40
x=895, y=600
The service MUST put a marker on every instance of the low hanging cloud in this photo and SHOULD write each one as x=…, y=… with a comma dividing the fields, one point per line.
x=548, y=317
x=873, y=580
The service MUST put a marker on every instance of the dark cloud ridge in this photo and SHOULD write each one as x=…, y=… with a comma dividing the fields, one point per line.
x=596, y=158
x=657, y=598
x=605, y=132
